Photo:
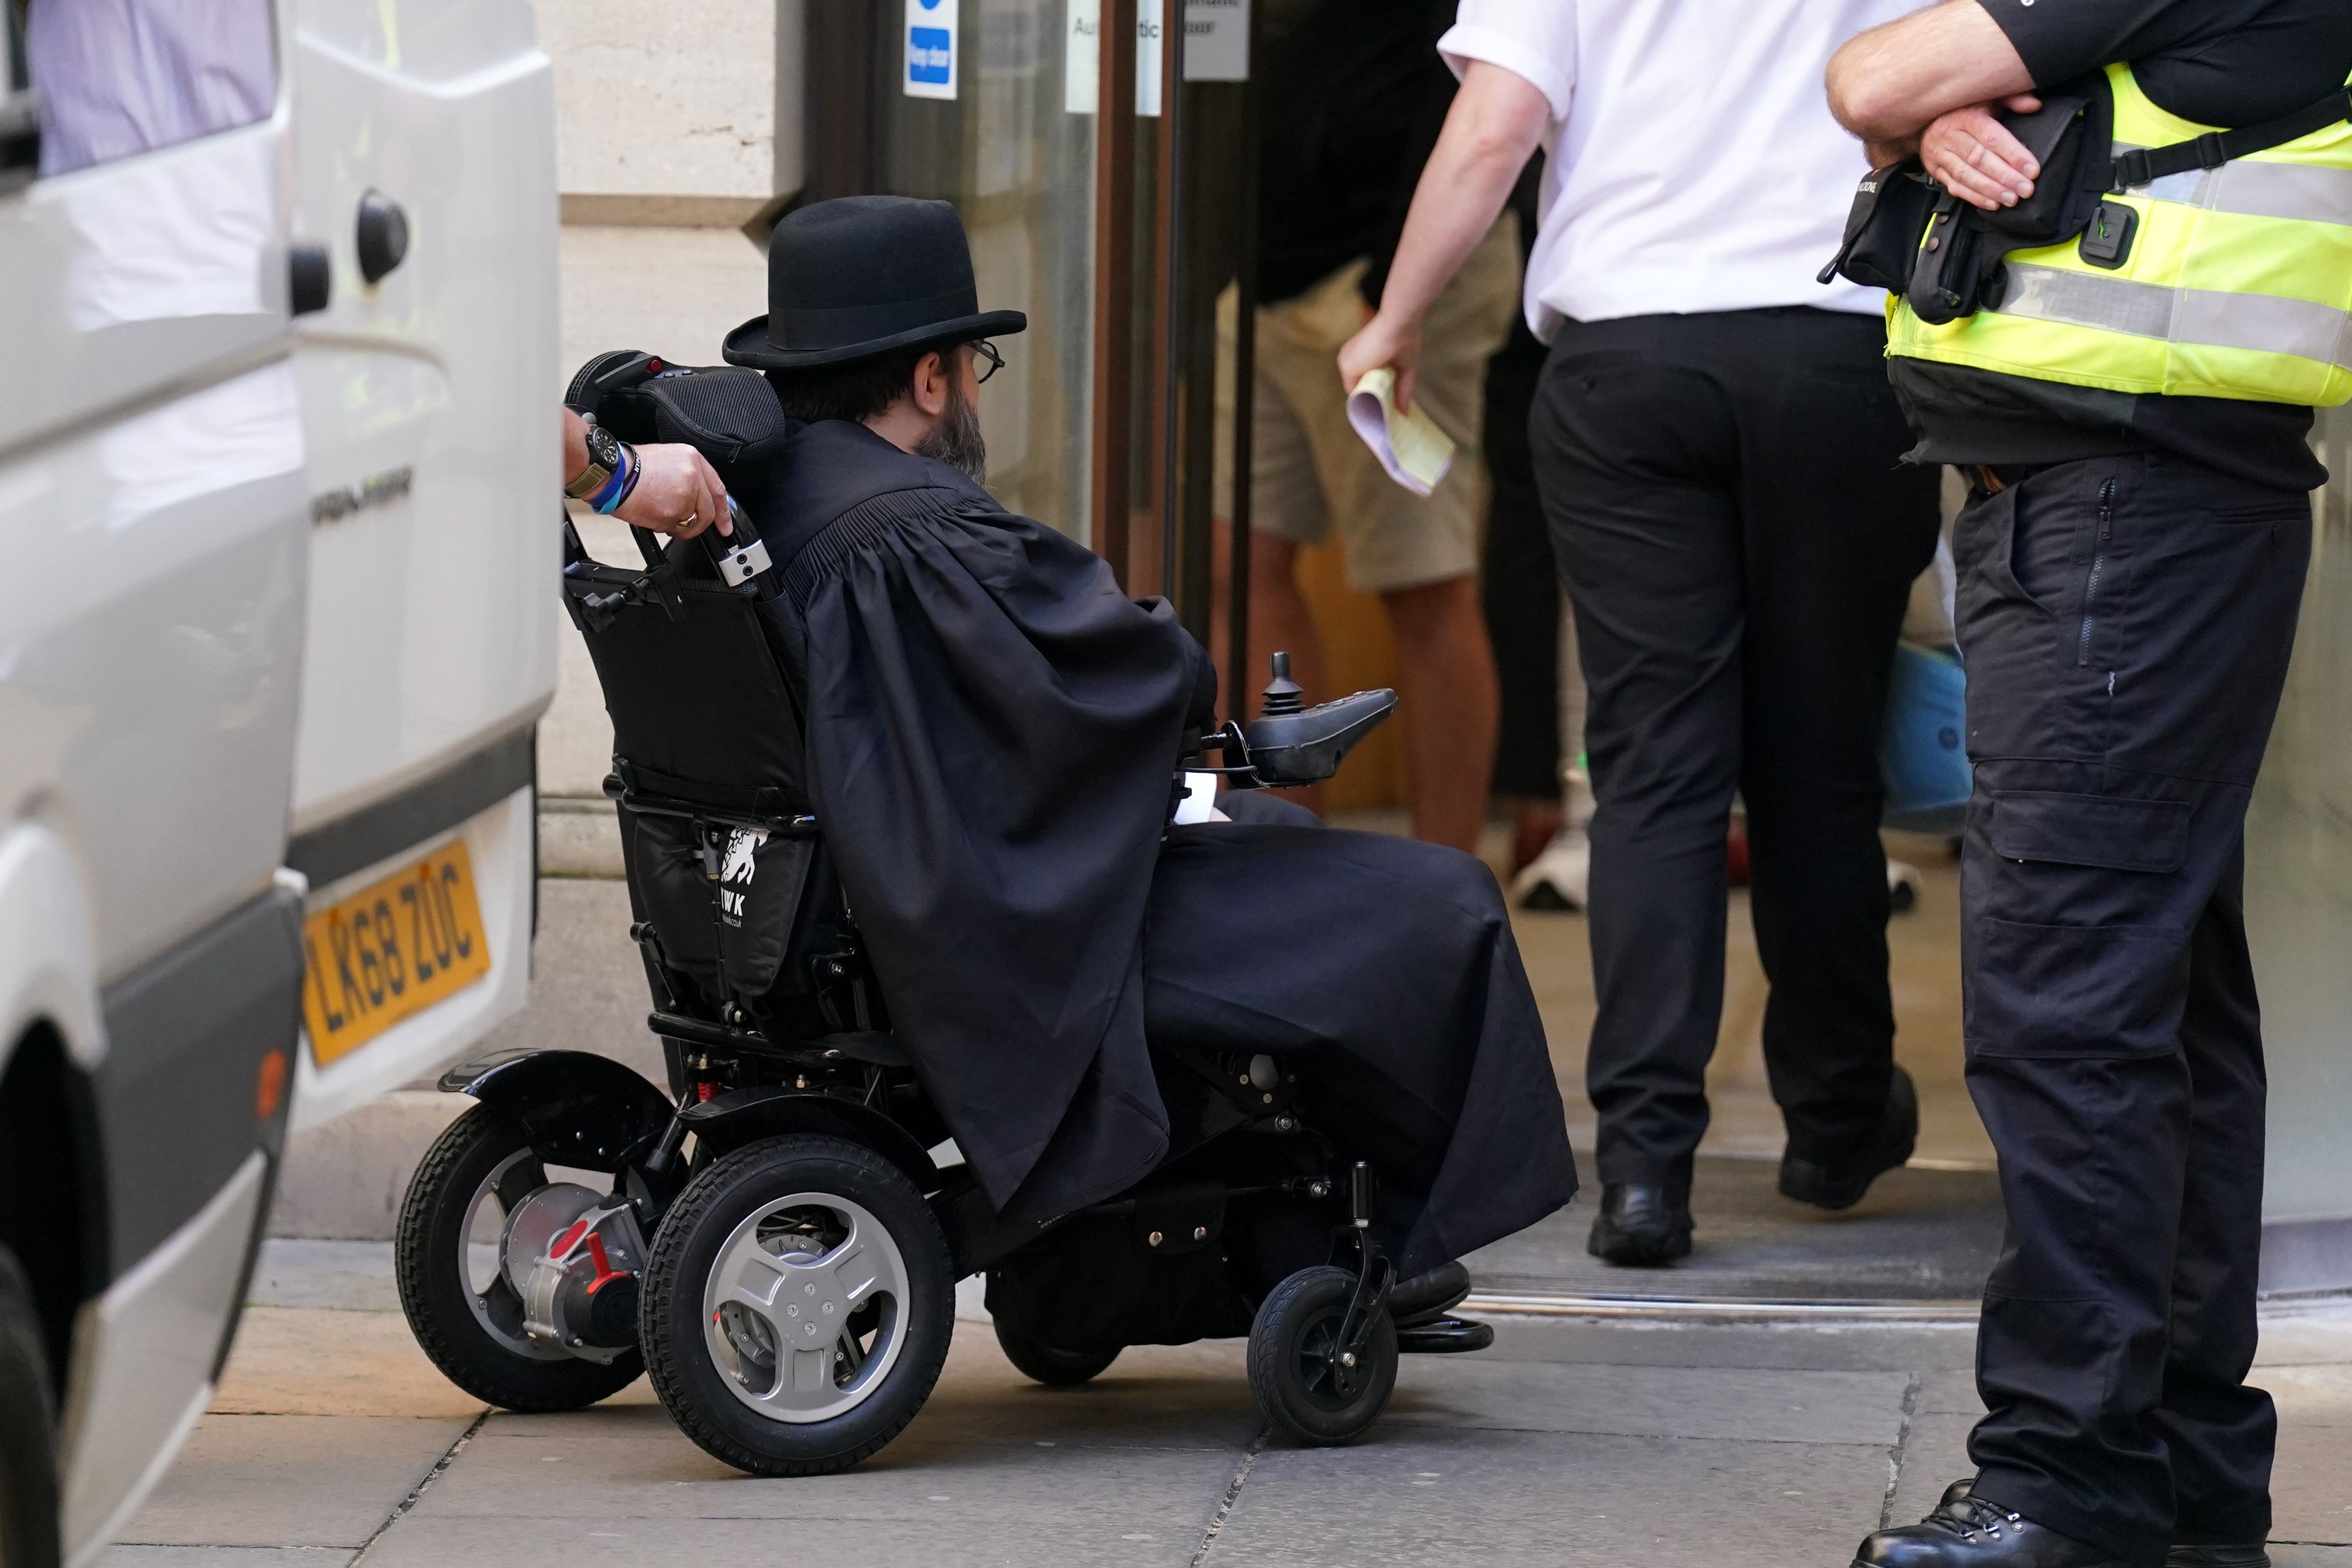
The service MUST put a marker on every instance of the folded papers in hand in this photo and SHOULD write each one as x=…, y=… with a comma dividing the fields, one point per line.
x=1410, y=445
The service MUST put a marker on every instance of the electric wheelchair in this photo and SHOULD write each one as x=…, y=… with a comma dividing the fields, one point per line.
x=776, y=1239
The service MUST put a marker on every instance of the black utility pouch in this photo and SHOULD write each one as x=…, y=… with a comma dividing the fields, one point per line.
x=1958, y=269
x=1882, y=227
x=1953, y=275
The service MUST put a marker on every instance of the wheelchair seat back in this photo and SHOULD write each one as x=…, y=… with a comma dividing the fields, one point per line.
x=722, y=857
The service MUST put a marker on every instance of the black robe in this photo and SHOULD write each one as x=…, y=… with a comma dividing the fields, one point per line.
x=993, y=728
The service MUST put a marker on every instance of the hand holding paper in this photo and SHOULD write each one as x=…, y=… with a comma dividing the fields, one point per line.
x=1410, y=445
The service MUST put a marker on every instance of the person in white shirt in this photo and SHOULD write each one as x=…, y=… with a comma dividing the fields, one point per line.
x=1718, y=453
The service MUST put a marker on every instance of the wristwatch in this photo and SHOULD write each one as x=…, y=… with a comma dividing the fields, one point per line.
x=603, y=462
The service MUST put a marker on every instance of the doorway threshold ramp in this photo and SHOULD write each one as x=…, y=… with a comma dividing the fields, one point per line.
x=1712, y=1309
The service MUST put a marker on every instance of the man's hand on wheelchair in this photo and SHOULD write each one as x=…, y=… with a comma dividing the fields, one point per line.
x=677, y=493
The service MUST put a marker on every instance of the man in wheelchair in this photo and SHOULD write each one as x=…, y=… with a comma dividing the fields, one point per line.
x=897, y=776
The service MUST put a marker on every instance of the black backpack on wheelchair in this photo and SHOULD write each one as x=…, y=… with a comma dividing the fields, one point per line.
x=776, y=1239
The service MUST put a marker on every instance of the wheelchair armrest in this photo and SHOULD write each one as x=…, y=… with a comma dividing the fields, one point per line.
x=1305, y=747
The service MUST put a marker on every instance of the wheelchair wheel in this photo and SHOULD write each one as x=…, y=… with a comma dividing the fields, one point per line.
x=797, y=1306
x=1040, y=1362
x=1298, y=1371
x=447, y=1255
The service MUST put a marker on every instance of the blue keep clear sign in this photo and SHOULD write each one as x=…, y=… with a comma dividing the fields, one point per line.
x=930, y=49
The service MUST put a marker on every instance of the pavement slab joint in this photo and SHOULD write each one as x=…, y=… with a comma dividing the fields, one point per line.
x=1894, y=1455
x=418, y=1490
x=1233, y=1495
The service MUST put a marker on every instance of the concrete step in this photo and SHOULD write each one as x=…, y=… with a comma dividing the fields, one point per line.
x=344, y=1181
x=578, y=837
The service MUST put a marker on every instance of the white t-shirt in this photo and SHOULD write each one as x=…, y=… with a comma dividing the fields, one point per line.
x=1692, y=164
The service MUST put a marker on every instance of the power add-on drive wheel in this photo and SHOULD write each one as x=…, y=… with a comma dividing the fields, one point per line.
x=479, y=1211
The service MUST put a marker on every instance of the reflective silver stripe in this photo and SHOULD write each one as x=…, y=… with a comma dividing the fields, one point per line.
x=2257, y=190
x=2265, y=323
x=2089, y=300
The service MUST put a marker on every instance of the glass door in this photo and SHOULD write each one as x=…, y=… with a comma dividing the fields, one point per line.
x=1104, y=165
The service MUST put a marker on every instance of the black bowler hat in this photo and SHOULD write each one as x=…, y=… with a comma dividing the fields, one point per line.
x=860, y=277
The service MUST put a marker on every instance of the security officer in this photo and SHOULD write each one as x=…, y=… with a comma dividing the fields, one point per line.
x=2134, y=413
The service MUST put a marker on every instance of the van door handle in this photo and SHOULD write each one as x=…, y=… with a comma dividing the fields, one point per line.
x=20, y=137
x=309, y=276
x=383, y=236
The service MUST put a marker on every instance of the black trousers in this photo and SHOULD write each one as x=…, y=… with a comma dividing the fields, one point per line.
x=1517, y=581
x=1738, y=538
x=2127, y=622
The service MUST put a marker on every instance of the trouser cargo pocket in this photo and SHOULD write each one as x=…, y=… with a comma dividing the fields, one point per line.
x=2076, y=943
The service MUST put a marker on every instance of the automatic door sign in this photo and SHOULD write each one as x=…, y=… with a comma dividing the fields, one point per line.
x=1216, y=48
x=930, y=49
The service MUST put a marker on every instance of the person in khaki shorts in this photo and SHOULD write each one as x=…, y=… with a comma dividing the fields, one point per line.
x=1366, y=94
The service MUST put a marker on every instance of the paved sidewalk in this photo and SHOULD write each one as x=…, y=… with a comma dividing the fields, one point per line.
x=1572, y=1442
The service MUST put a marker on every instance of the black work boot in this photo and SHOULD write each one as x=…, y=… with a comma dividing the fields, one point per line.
x=1640, y=1224
x=1839, y=1184
x=2176, y=1556
x=1966, y=1532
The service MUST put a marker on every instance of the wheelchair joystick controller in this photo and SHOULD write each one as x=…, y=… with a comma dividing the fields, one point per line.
x=1282, y=694
x=1291, y=743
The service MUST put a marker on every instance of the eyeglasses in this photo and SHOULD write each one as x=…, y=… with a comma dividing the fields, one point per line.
x=983, y=350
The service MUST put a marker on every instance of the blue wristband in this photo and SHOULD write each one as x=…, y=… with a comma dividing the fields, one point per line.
x=617, y=488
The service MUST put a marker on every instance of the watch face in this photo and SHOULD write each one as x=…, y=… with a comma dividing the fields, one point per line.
x=603, y=462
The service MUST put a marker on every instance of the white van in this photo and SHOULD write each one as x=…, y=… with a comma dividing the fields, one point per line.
x=277, y=452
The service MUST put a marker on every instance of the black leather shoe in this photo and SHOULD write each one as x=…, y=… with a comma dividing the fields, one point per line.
x=1968, y=1532
x=1427, y=1297
x=2252, y=1556
x=1641, y=1225
x=1842, y=1184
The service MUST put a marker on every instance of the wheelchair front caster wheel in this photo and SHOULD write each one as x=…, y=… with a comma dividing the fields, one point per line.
x=1312, y=1388
x=1040, y=1362
x=797, y=1306
x=459, y=1297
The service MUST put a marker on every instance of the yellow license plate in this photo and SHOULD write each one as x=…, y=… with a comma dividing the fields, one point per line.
x=391, y=950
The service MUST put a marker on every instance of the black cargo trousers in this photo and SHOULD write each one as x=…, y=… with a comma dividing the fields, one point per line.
x=2126, y=623
x=1739, y=535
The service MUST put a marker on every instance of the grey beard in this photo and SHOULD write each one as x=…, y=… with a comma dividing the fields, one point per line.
x=957, y=442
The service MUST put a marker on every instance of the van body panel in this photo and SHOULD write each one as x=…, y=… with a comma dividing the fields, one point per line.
x=178, y=1094
x=144, y=1358
x=150, y=630
x=189, y=489
x=434, y=445
x=48, y=957
x=427, y=395
x=155, y=511
x=134, y=279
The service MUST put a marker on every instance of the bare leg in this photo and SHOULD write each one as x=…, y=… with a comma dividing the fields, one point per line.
x=1446, y=673
x=1280, y=620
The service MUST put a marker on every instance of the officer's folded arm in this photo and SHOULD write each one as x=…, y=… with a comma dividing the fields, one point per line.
x=1928, y=84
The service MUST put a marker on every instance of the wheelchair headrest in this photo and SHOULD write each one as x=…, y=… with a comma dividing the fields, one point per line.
x=731, y=415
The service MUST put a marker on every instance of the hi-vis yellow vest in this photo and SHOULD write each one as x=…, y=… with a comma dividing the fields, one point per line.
x=2238, y=283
